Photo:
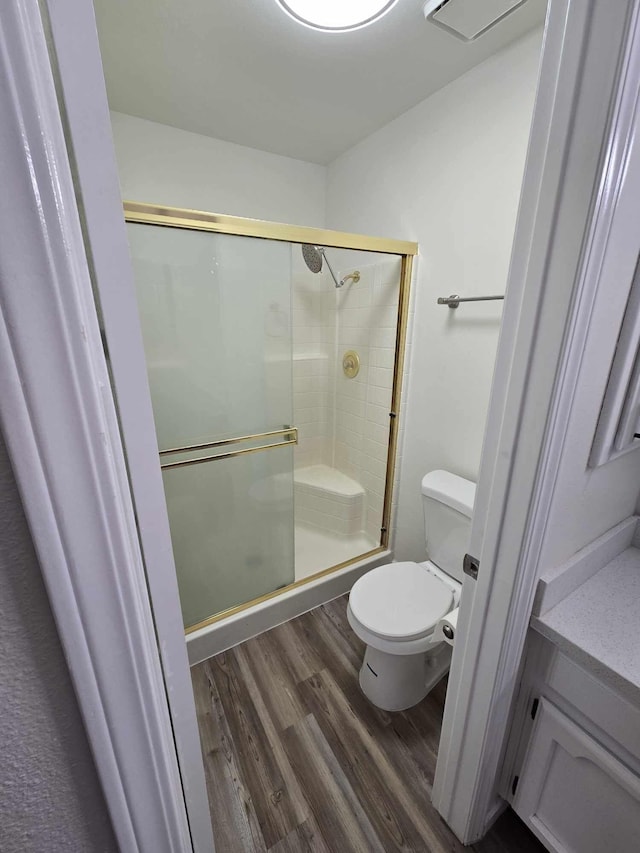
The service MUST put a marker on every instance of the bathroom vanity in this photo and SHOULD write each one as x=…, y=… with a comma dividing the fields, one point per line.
x=573, y=765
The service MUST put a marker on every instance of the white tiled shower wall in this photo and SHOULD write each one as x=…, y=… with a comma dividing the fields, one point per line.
x=313, y=303
x=344, y=423
x=367, y=315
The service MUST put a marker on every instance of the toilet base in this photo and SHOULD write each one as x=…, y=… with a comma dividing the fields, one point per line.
x=397, y=682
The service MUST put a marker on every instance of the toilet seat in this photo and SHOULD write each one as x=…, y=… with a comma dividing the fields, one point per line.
x=400, y=601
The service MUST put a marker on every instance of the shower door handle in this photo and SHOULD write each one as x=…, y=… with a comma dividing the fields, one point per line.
x=290, y=435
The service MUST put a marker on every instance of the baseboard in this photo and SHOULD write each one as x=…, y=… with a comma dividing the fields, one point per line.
x=498, y=807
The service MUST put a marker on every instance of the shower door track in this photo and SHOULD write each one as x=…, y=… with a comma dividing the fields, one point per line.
x=198, y=220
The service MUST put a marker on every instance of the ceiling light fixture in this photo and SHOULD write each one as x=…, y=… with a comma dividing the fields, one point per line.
x=336, y=16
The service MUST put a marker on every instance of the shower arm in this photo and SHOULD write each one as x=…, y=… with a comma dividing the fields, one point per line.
x=333, y=275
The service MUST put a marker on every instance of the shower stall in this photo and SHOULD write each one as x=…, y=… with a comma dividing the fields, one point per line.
x=274, y=355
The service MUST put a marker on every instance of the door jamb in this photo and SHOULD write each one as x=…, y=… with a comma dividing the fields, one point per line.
x=88, y=128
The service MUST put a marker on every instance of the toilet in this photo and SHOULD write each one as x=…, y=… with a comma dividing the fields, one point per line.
x=402, y=610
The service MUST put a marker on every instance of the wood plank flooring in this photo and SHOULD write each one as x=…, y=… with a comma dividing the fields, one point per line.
x=296, y=758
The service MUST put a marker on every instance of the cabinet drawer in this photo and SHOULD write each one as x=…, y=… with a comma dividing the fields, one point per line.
x=608, y=710
x=575, y=795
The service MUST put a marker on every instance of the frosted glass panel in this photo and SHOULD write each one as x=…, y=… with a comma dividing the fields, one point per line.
x=215, y=312
x=215, y=315
x=232, y=529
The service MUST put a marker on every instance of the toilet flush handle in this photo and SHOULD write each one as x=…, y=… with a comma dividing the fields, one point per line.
x=447, y=630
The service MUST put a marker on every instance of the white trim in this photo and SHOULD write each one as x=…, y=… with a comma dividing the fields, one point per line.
x=59, y=421
x=533, y=387
x=615, y=245
x=619, y=261
x=82, y=87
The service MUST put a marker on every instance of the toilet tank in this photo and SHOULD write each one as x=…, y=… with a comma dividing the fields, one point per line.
x=447, y=501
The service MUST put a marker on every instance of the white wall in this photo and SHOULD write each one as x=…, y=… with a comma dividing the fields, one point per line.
x=50, y=797
x=164, y=165
x=447, y=174
x=586, y=502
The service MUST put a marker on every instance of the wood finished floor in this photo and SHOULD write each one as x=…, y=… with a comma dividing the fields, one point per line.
x=296, y=759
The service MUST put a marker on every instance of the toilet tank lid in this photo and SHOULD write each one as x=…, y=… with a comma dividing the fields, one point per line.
x=451, y=490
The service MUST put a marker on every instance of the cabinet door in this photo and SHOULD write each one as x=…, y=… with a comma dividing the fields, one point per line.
x=574, y=794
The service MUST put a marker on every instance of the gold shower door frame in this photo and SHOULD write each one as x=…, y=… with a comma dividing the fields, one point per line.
x=197, y=220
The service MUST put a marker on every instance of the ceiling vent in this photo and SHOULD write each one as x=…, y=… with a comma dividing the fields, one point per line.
x=468, y=19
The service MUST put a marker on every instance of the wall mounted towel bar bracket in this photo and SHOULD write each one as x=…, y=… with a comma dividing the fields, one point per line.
x=454, y=300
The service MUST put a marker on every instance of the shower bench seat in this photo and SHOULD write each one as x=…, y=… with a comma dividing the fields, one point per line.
x=329, y=499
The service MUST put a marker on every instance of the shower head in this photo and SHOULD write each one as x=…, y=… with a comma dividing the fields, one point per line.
x=312, y=257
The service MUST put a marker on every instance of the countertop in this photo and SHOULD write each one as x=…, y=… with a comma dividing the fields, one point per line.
x=598, y=625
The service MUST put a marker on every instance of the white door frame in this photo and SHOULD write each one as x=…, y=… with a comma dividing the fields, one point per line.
x=581, y=131
x=60, y=423
x=88, y=126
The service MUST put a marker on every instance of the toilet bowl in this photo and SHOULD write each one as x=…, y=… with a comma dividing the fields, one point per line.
x=395, y=609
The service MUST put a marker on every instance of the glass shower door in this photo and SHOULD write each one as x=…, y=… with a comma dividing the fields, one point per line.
x=215, y=312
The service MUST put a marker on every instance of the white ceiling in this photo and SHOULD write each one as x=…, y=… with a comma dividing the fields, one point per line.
x=243, y=71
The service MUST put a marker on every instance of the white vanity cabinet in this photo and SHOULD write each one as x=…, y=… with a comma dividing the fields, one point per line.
x=576, y=770
x=574, y=793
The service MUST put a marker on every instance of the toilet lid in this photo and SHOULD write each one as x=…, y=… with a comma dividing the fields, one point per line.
x=400, y=601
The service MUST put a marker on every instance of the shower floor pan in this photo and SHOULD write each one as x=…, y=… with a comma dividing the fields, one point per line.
x=318, y=549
